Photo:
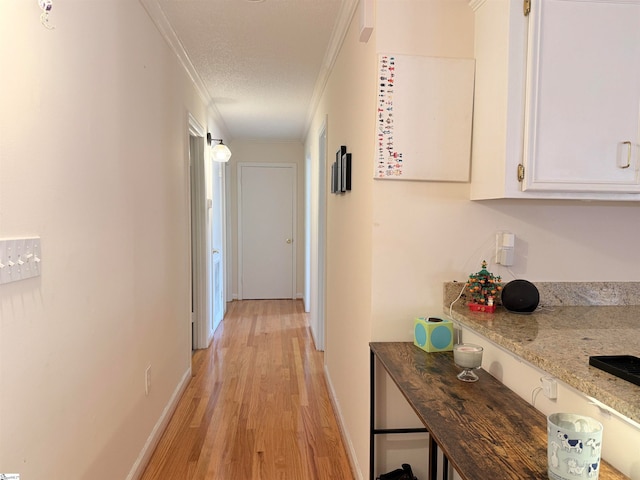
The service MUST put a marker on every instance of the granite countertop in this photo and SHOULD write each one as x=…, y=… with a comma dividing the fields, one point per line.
x=559, y=337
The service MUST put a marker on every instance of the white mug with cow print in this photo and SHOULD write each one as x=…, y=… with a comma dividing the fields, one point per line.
x=574, y=444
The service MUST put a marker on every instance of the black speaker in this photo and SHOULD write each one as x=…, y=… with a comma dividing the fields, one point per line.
x=520, y=296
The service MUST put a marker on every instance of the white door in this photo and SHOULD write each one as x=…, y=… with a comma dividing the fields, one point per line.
x=217, y=292
x=217, y=244
x=266, y=230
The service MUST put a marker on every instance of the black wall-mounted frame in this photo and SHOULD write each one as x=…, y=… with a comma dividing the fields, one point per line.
x=341, y=171
x=334, y=177
x=346, y=172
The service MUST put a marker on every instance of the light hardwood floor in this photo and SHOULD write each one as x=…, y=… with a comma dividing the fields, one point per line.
x=257, y=406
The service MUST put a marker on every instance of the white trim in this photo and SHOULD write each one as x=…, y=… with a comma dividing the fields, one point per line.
x=195, y=129
x=228, y=246
x=239, y=228
x=318, y=238
x=347, y=11
x=476, y=4
x=351, y=451
x=308, y=182
x=194, y=126
x=199, y=249
x=155, y=12
x=154, y=437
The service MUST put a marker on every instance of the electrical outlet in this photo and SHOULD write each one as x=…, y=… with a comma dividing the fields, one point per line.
x=147, y=380
x=549, y=387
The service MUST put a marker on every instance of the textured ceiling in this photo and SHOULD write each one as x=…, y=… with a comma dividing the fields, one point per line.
x=259, y=61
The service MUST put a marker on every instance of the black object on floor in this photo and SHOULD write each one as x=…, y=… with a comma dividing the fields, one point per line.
x=404, y=473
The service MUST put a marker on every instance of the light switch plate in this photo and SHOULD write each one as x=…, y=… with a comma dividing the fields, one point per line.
x=20, y=258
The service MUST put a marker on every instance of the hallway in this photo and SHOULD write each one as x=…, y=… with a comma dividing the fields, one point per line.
x=257, y=406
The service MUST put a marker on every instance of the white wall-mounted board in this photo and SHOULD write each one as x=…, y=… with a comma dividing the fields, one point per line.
x=424, y=118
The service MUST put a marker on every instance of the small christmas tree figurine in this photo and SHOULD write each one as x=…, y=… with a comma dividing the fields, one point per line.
x=485, y=289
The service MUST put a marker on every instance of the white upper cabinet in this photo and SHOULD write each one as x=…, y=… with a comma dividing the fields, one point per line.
x=557, y=106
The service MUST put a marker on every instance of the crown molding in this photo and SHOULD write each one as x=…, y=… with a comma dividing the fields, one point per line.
x=345, y=15
x=476, y=4
x=161, y=22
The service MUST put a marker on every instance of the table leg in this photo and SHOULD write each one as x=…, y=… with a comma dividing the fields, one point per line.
x=433, y=459
x=372, y=415
x=445, y=468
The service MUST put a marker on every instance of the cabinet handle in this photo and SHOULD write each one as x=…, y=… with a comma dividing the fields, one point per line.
x=622, y=147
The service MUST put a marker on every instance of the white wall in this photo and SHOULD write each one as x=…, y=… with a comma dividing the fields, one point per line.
x=267, y=152
x=93, y=159
x=391, y=244
x=349, y=109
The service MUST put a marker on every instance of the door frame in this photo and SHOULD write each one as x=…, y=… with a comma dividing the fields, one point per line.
x=294, y=220
x=218, y=246
x=317, y=239
x=198, y=234
x=228, y=236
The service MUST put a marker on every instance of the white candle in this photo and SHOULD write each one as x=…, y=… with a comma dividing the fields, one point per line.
x=467, y=355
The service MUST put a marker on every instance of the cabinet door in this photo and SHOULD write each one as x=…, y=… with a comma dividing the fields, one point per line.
x=583, y=96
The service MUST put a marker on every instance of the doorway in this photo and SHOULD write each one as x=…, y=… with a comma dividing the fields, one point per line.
x=266, y=230
x=198, y=236
x=207, y=239
x=218, y=244
x=317, y=236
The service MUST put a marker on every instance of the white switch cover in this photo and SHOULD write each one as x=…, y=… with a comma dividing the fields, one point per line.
x=505, y=243
x=20, y=258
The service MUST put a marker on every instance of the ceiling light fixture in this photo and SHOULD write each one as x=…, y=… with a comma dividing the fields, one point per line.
x=220, y=152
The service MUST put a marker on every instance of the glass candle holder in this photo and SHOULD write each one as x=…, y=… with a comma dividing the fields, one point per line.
x=468, y=357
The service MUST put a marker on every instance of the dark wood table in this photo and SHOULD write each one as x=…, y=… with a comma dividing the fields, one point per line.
x=485, y=430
